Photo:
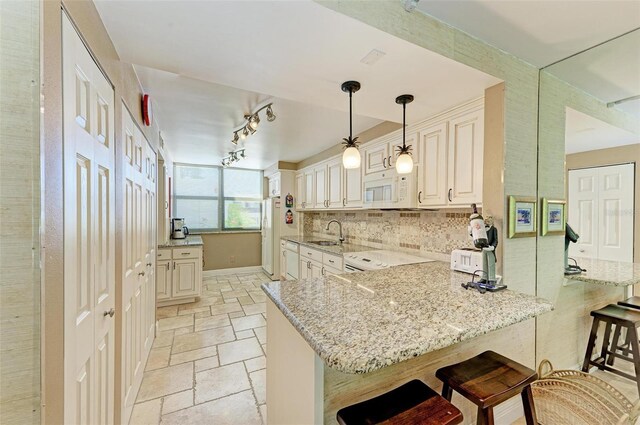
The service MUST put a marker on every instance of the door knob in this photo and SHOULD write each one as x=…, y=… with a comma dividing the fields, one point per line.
x=141, y=274
x=109, y=313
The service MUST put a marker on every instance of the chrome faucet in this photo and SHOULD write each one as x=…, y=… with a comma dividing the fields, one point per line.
x=339, y=224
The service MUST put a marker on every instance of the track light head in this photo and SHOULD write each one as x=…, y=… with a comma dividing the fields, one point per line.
x=270, y=115
x=244, y=133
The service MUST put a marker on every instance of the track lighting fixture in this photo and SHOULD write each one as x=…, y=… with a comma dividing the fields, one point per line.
x=351, y=155
x=252, y=122
x=404, y=162
x=270, y=115
x=235, y=138
x=234, y=156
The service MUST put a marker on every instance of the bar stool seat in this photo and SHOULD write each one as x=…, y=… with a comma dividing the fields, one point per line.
x=622, y=318
x=487, y=380
x=633, y=302
x=412, y=403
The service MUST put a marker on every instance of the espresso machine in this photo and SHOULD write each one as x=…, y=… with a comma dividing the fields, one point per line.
x=178, y=229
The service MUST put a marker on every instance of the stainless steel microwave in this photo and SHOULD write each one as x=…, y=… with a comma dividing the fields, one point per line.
x=388, y=189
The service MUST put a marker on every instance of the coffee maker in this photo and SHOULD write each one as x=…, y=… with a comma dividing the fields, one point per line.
x=178, y=229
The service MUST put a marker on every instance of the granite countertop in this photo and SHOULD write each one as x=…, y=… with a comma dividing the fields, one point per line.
x=193, y=240
x=331, y=249
x=609, y=273
x=361, y=322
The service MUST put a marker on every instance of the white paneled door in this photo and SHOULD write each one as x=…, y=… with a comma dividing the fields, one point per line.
x=138, y=259
x=89, y=235
x=601, y=211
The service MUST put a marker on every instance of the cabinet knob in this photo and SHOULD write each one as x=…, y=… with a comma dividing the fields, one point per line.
x=109, y=313
x=149, y=264
x=141, y=274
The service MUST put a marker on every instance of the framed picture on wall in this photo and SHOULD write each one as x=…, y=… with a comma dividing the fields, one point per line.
x=554, y=217
x=522, y=217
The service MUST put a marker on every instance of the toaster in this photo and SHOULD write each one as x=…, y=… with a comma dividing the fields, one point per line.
x=466, y=260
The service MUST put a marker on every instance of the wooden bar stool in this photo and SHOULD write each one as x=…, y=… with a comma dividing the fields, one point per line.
x=623, y=318
x=633, y=302
x=412, y=403
x=487, y=380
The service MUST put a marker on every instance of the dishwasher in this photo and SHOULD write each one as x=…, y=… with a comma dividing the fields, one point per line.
x=292, y=260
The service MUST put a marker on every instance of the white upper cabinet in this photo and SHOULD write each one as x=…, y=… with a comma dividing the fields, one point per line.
x=353, y=191
x=432, y=176
x=376, y=157
x=274, y=185
x=299, y=196
x=466, y=152
x=308, y=189
x=320, y=185
x=335, y=198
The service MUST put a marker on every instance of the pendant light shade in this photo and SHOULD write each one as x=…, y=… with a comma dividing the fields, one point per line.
x=404, y=162
x=351, y=158
x=351, y=155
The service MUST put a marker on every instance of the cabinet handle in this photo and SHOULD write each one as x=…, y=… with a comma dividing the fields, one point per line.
x=109, y=313
x=322, y=272
x=344, y=202
x=284, y=253
x=331, y=261
x=449, y=195
x=184, y=253
x=141, y=274
x=384, y=162
x=149, y=264
x=308, y=264
x=419, y=195
x=389, y=161
x=167, y=266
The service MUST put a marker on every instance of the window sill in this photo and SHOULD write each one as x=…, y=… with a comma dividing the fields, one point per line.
x=224, y=232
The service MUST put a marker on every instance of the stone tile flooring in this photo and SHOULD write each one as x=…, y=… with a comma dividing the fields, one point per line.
x=207, y=364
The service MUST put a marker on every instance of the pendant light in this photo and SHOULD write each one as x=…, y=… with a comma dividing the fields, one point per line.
x=404, y=162
x=351, y=155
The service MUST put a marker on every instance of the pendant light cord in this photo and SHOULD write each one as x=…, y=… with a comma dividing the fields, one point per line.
x=350, y=115
x=404, y=123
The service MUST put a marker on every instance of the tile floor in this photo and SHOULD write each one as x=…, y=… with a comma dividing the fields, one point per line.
x=207, y=364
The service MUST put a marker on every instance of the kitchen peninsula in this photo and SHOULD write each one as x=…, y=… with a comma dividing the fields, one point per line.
x=337, y=340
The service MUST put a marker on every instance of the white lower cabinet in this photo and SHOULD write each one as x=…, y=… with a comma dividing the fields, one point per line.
x=315, y=263
x=179, y=275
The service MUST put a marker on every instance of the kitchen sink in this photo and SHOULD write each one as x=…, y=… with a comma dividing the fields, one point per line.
x=324, y=243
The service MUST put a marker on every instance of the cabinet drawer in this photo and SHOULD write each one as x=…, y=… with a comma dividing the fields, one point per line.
x=312, y=254
x=333, y=261
x=164, y=254
x=179, y=253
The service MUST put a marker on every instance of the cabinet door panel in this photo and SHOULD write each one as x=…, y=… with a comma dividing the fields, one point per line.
x=353, y=188
x=466, y=153
x=184, y=277
x=316, y=269
x=375, y=158
x=432, y=176
x=283, y=264
x=304, y=269
x=334, y=183
x=308, y=189
x=300, y=191
x=320, y=184
x=163, y=280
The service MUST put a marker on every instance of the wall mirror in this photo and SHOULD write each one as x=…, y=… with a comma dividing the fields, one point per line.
x=589, y=154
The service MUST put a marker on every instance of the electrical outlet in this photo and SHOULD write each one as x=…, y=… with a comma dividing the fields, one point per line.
x=232, y=260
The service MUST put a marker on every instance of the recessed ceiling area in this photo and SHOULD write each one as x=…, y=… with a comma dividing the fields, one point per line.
x=586, y=133
x=194, y=57
x=539, y=32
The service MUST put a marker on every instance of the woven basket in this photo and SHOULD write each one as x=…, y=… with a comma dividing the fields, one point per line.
x=606, y=393
x=562, y=402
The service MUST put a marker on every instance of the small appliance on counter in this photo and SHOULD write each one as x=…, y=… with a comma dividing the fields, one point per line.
x=570, y=236
x=178, y=229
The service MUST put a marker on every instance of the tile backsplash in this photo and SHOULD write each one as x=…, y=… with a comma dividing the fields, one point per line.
x=425, y=231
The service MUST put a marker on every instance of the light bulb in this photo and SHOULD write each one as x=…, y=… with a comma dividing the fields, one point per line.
x=404, y=163
x=244, y=134
x=254, y=122
x=351, y=158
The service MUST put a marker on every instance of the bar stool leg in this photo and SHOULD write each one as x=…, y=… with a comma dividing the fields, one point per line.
x=606, y=342
x=614, y=345
x=447, y=392
x=529, y=407
x=590, y=344
x=485, y=416
x=635, y=350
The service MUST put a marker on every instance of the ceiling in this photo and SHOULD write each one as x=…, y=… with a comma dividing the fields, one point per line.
x=198, y=118
x=539, y=32
x=610, y=72
x=223, y=58
x=585, y=133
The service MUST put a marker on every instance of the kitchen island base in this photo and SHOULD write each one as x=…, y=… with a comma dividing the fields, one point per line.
x=302, y=389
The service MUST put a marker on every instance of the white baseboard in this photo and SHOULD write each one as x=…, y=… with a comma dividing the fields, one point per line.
x=250, y=269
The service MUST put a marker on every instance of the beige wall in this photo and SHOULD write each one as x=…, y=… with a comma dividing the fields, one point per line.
x=613, y=156
x=19, y=212
x=231, y=250
x=87, y=20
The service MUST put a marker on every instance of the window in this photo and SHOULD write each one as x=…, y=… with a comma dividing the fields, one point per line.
x=213, y=198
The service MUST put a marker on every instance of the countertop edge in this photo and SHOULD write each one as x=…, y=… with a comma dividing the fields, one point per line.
x=325, y=356
x=602, y=282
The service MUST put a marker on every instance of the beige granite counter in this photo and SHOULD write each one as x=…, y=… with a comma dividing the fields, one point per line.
x=331, y=249
x=193, y=240
x=609, y=273
x=361, y=322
